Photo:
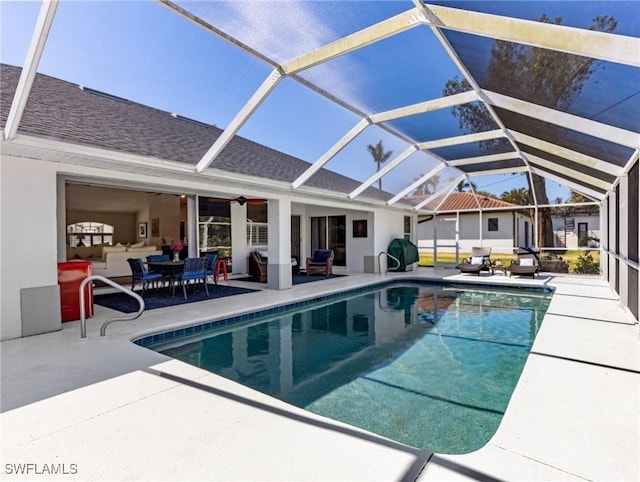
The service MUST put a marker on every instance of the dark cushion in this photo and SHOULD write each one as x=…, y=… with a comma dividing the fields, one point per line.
x=321, y=256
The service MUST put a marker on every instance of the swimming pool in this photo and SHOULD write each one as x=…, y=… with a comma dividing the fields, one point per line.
x=431, y=366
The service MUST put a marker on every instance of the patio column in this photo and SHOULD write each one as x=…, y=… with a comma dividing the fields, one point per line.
x=279, y=267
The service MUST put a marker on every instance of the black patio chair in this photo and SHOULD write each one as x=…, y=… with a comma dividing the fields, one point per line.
x=527, y=263
x=480, y=260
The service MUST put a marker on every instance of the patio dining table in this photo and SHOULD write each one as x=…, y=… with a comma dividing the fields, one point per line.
x=168, y=269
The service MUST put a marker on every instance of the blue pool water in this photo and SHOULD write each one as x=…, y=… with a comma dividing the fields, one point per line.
x=431, y=366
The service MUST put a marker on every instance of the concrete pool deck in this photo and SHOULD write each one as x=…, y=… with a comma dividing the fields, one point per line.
x=106, y=409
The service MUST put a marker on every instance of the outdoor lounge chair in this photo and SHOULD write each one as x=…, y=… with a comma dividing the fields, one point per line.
x=321, y=262
x=526, y=264
x=479, y=261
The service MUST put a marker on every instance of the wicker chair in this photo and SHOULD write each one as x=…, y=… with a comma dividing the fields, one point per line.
x=321, y=262
x=258, y=266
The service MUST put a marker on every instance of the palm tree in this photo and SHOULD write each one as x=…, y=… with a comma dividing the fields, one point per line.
x=465, y=185
x=379, y=157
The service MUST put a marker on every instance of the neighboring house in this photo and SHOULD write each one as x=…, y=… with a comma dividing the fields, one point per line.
x=576, y=229
x=500, y=225
x=71, y=136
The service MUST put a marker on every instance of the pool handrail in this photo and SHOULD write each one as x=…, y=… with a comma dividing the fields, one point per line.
x=103, y=328
x=388, y=256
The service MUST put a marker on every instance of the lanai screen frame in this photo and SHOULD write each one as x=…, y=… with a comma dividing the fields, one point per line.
x=593, y=176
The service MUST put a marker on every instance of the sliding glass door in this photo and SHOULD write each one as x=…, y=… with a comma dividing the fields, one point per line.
x=329, y=232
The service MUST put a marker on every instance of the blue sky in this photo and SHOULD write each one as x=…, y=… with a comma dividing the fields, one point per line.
x=142, y=51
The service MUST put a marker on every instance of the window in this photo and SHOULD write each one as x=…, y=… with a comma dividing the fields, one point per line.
x=493, y=224
x=214, y=226
x=257, y=234
x=583, y=235
x=89, y=233
x=257, y=227
x=407, y=227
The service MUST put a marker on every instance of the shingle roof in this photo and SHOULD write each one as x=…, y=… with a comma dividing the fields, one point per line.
x=461, y=201
x=60, y=110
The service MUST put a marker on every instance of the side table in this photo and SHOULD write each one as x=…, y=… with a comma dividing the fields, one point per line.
x=495, y=268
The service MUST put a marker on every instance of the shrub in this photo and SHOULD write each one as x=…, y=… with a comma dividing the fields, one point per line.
x=585, y=264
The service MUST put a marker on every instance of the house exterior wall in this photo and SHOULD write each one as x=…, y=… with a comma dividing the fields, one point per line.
x=33, y=225
x=571, y=235
x=382, y=227
x=28, y=249
x=510, y=228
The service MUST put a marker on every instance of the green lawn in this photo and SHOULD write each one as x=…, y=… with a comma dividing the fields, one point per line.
x=426, y=259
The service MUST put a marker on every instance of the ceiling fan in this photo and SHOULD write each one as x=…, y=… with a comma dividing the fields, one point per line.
x=242, y=200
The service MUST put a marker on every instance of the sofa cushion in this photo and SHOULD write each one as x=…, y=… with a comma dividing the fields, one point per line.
x=321, y=256
x=112, y=249
x=143, y=249
x=137, y=245
x=97, y=250
x=84, y=252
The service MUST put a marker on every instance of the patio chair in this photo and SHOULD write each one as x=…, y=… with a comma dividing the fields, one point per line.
x=158, y=257
x=195, y=271
x=527, y=263
x=321, y=262
x=258, y=266
x=140, y=274
x=479, y=261
x=210, y=270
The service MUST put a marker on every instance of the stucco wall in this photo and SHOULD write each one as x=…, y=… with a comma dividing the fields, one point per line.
x=571, y=236
x=33, y=224
x=469, y=236
x=28, y=249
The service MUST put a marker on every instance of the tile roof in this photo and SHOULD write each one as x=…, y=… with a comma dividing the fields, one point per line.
x=461, y=201
x=61, y=111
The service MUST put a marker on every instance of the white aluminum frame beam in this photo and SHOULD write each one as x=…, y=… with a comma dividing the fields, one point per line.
x=634, y=157
x=506, y=170
x=414, y=109
x=447, y=190
x=30, y=67
x=571, y=185
x=467, y=75
x=504, y=156
x=588, y=43
x=333, y=151
x=385, y=169
x=574, y=156
x=391, y=26
x=367, y=36
x=239, y=120
x=464, y=139
x=568, y=121
x=420, y=181
x=427, y=106
x=592, y=181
